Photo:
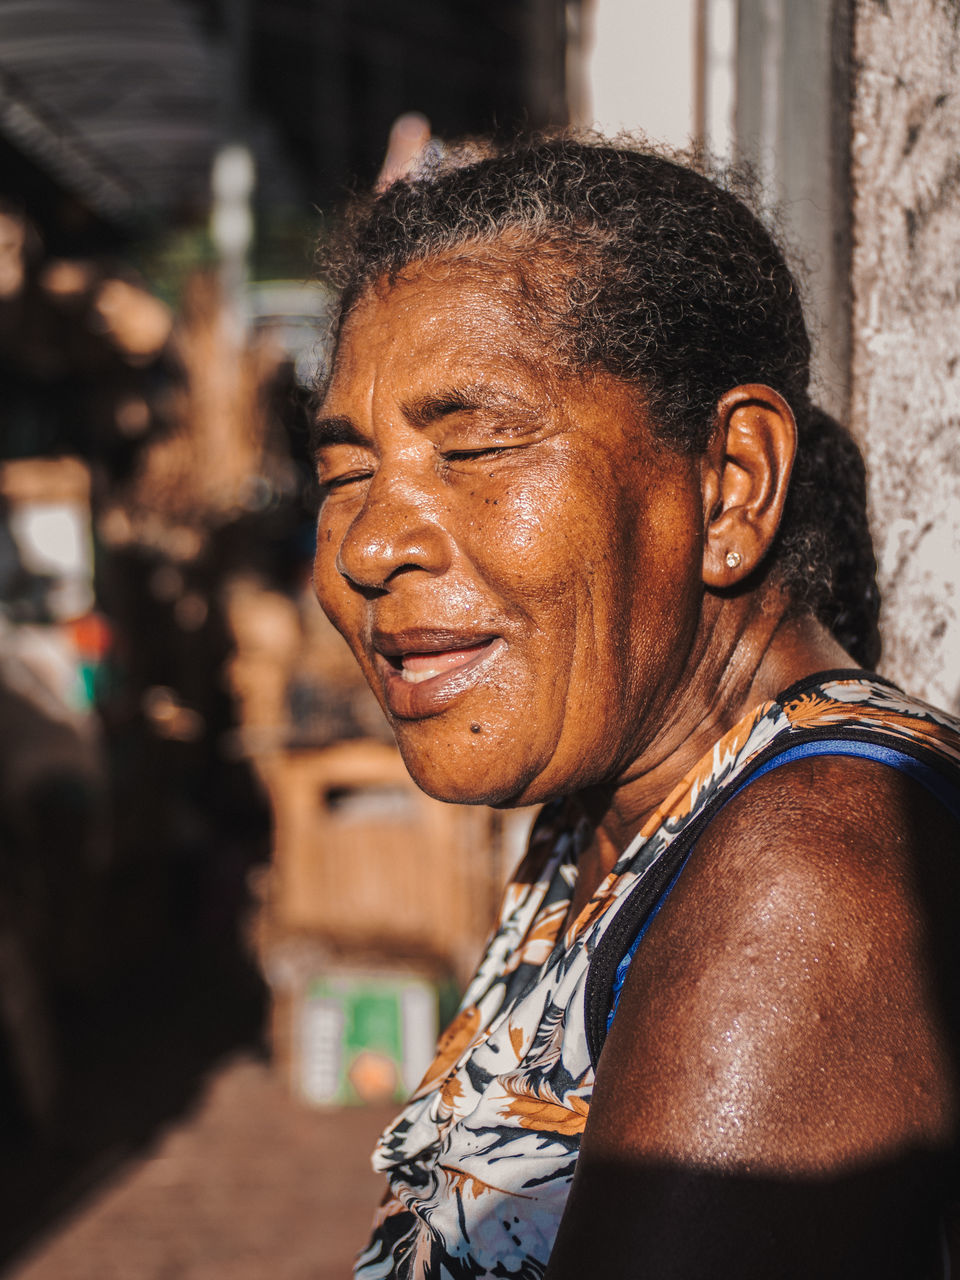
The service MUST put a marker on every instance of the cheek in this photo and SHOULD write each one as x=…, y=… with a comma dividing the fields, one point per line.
x=667, y=589
x=324, y=565
x=531, y=543
x=332, y=591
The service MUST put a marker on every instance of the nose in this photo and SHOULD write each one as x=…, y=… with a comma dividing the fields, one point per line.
x=393, y=532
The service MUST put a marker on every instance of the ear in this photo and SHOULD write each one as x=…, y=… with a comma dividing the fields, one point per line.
x=744, y=476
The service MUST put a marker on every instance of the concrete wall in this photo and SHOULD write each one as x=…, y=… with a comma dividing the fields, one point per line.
x=905, y=384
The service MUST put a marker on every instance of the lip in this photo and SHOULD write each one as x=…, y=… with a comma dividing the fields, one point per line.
x=465, y=656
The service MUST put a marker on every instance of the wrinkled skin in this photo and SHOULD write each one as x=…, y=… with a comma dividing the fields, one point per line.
x=508, y=519
x=538, y=593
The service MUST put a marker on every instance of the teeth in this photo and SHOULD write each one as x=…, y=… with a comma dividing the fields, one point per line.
x=415, y=668
x=417, y=677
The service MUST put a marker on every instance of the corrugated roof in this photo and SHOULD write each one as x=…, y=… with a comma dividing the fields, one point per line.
x=115, y=98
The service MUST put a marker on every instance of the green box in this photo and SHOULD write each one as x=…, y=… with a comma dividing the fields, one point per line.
x=364, y=1036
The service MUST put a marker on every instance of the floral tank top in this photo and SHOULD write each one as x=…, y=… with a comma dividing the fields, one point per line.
x=479, y=1163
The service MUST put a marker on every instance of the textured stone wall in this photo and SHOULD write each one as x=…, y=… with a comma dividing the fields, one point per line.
x=905, y=405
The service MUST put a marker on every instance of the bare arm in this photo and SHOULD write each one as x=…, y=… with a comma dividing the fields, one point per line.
x=778, y=1096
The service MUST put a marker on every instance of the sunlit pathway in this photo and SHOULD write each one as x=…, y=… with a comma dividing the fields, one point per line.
x=250, y=1186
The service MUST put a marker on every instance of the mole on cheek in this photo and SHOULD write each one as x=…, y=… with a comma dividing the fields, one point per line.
x=475, y=728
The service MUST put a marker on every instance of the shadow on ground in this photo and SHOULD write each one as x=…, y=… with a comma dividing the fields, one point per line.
x=135, y=1053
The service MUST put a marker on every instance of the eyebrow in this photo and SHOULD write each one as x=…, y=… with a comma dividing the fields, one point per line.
x=337, y=430
x=426, y=410
x=423, y=412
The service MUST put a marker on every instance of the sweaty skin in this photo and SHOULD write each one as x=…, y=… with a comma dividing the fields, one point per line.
x=780, y=1097
x=477, y=498
x=538, y=592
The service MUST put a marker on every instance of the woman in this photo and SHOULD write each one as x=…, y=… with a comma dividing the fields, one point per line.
x=559, y=530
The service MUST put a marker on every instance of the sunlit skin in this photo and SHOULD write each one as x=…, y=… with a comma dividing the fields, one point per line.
x=537, y=591
x=503, y=521
x=476, y=495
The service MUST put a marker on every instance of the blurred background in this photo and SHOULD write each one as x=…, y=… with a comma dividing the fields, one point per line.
x=229, y=923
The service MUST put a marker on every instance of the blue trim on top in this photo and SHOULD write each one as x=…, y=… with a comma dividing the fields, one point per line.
x=942, y=788
x=947, y=792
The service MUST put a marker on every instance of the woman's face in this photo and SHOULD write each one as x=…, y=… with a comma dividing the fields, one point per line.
x=513, y=559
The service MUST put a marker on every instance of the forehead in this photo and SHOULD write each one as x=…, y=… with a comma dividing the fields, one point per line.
x=464, y=318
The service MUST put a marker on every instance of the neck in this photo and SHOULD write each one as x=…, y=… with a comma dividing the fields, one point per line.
x=748, y=649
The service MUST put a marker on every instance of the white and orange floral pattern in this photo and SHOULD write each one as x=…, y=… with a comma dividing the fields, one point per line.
x=479, y=1162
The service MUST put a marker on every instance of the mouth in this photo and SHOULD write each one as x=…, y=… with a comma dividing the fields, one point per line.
x=422, y=672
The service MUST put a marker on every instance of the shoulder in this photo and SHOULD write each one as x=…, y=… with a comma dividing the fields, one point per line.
x=790, y=1003
x=847, y=836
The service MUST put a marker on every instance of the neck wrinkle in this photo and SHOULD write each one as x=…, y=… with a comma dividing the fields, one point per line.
x=758, y=648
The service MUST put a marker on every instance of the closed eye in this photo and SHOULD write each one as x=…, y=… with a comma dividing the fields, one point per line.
x=466, y=461
x=343, y=481
x=341, y=465
x=462, y=455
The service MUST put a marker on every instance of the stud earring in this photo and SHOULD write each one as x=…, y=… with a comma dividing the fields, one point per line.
x=732, y=559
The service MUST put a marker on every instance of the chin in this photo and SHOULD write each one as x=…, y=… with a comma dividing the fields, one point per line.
x=467, y=777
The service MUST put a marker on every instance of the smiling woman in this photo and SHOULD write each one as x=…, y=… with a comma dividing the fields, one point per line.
x=592, y=546
x=474, y=462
